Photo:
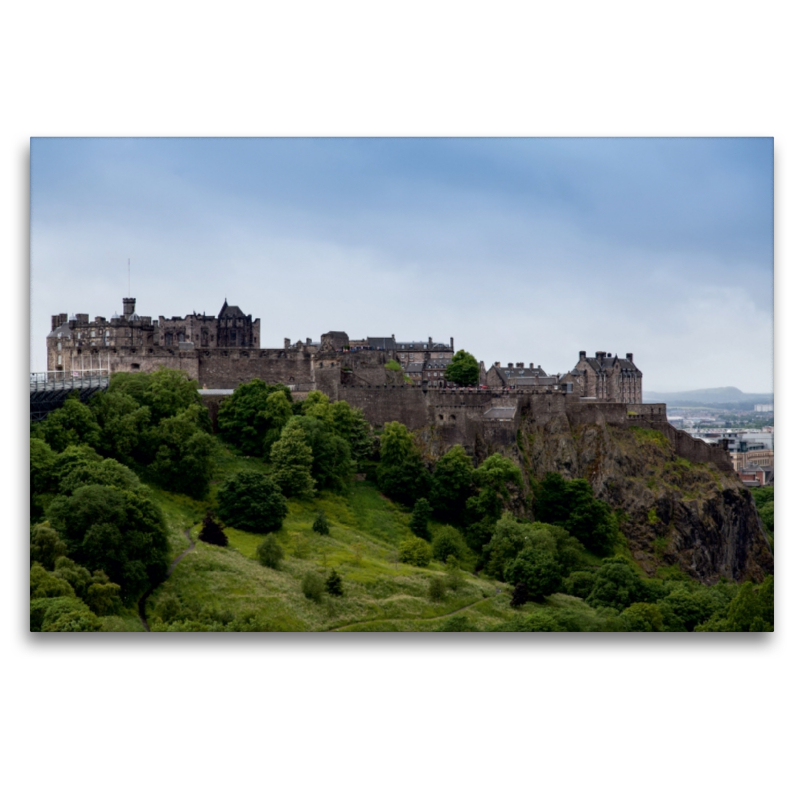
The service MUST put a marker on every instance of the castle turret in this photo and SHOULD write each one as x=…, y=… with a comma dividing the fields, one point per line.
x=128, y=306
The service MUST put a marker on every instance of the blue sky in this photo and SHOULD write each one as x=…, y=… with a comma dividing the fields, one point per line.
x=521, y=249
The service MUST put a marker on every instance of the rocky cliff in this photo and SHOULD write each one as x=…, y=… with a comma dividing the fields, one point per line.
x=672, y=511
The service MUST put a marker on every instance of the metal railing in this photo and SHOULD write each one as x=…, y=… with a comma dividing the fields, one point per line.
x=62, y=380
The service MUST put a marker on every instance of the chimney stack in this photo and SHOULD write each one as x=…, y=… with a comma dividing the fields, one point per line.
x=629, y=356
x=451, y=342
x=286, y=343
x=582, y=354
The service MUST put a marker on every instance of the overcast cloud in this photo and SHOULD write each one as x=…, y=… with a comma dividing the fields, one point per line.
x=521, y=249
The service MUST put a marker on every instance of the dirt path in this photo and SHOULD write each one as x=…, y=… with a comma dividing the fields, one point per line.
x=388, y=619
x=175, y=562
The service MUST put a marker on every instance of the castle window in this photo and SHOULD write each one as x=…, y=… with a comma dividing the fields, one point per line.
x=134, y=366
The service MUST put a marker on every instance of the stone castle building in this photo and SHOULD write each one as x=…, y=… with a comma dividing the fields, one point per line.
x=224, y=351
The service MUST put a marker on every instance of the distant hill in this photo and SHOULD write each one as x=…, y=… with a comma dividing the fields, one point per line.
x=726, y=394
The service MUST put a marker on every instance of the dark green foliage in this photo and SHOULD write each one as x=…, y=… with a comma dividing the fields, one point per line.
x=269, y=552
x=401, y=474
x=572, y=505
x=41, y=470
x=321, y=525
x=537, y=568
x=642, y=617
x=419, y=519
x=451, y=484
x=436, y=589
x=183, y=453
x=616, y=585
x=538, y=621
x=448, y=542
x=292, y=460
x=362, y=440
x=72, y=458
x=415, y=551
x=579, y=584
x=46, y=545
x=71, y=424
x=107, y=472
x=124, y=426
x=499, y=481
x=165, y=392
x=251, y=501
x=753, y=608
x=332, y=467
x=688, y=606
x=67, y=614
x=103, y=598
x=313, y=586
x=765, y=505
x=212, y=532
x=251, y=419
x=119, y=532
x=333, y=584
x=77, y=576
x=463, y=370
x=520, y=595
x=47, y=584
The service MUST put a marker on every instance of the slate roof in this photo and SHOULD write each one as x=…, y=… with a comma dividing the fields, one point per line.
x=228, y=312
x=385, y=342
x=607, y=363
x=421, y=346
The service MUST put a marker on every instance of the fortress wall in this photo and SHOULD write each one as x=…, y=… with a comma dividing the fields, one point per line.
x=380, y=404
x=226, y=369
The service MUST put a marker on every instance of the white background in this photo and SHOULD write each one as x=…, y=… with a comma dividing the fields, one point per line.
x=395, y=715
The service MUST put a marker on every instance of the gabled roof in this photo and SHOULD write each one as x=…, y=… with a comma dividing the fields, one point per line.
x=386, y=342
x=227, y=312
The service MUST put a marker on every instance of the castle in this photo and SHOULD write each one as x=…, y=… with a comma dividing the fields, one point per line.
x=387, y=378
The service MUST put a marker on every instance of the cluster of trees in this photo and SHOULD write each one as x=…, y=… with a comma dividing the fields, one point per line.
x=153, y=423
x=765, y=505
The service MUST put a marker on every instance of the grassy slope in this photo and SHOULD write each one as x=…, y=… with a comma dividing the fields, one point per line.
x=366, y=528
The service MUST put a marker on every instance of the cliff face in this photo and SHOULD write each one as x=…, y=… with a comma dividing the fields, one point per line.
x=675, y=512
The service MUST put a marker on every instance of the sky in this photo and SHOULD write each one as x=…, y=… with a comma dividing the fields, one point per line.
x=521, y=249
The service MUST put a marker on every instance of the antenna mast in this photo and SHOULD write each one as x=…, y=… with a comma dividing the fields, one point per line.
x=129, y=277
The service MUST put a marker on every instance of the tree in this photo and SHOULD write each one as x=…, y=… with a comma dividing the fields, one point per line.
x=124, y=425
x=46, y=584
x=333, y=584
x=332, y=466
x=41, y=471
x=292, y=460
x=415, y=551
x=448, y=542
x=107, y=472
x=537, y=568
x=251, y=501
x=463, y=369
x=212, y=532
x=72, y=424
x=616, y=585
x=419, y=519
x=454, y=579
x=451, y=484
x=269, y=552
x=46, y=545
x=183, y=458
x=321, y=525
x=642, y=617
x=65, y=614
x=120, y=532
x=499, y=479
x=313, y=586
x=252, y=417
x=401, y=473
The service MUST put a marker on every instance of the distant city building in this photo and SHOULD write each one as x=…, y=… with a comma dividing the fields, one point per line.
x=764, y=407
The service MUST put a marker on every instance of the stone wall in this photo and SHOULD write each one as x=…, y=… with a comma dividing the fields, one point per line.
x=226, y=369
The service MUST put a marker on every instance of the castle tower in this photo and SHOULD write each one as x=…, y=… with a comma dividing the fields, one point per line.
x=128, y=306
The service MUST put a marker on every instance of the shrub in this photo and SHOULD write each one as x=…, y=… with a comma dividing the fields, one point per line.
x=454, y=579
x=457, y=624
x=436, y=589
x=644, y=617
x=333, y=584
x=579, y=584
x=448, y=542
x=321, y=525
x=67, y=614
x=46, y=545
x=537, y=569
x=313, y=586
x=419, y=518
x=212, y=532
x=269, y=552
x=251, y=501
x=415, y=551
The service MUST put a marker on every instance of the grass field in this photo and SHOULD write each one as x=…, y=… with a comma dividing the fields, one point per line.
x=214, y=586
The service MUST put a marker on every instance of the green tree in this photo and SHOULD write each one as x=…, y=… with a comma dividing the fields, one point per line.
x=41, y=472
x=415, y=551
x=454, y=578
x=332, y=467
x=47, y=584
x=321, y=525
x=46, y=545
x=499, y=481
x=120, y=532
x=183, y=453
x=463, y=369
x=72, y=424
x=292, y=460
x=401, y=473
x=124, y=425
x=451, y=484
x=62, y=614
x=250, y=501
x=313, y=586
x=107, y=472
x=212, y=532
x=642, y=617
x=252, y=417
x=448, y=542
x=269, y=552
x=616, y=585
x=333, y=584
x=419, y=518
x=537, y=568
